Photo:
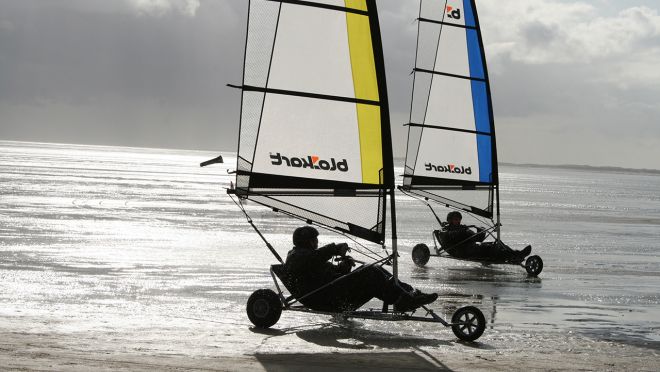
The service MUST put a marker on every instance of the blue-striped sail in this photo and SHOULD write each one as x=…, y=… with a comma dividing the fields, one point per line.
x=451, y=156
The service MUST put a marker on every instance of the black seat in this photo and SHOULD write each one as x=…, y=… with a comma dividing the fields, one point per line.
x=332, y=298
x=440, y=236
x=289, y=283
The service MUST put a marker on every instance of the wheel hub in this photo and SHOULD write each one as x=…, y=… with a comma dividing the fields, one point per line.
x=261, y=308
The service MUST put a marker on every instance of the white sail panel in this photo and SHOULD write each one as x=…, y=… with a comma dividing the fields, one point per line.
x=448, y=155
x=259, y=43
x=446, y=54
x=452, y=56
x=338, y=3
x=321, y=62
x=349, y=4
x=450, y=103
x=297, y=127
x=339, y=212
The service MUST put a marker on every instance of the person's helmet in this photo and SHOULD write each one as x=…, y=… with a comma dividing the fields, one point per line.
x=304, y=234
x=454, y=214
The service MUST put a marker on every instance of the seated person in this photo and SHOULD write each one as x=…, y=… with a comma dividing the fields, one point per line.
x=309, y=270
x=462, y=242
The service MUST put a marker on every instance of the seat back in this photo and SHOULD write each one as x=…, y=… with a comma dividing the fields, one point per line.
x=334, y=298
x=285, y=277
x=440, y=235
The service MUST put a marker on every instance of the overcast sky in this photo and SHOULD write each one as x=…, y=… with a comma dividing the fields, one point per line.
x=573, y=81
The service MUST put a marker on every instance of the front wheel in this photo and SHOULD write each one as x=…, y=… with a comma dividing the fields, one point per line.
x=264, y=308
x=534, y=265
x=421, y=254
x=468, y=323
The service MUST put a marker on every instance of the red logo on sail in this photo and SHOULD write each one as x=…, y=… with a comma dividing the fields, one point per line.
x=453, y=13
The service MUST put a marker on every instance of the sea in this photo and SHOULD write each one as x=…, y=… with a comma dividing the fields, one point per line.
x=115, y=241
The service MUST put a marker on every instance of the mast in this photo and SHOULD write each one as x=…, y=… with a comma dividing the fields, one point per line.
x=496, y=173
x=388, y=156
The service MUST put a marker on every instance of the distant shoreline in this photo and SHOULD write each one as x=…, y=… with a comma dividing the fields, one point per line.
x=586, y=167
x=604, y=168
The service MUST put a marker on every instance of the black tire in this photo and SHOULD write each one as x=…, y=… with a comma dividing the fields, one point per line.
x=264, y=308
x=468, y=323
x=534, y=265
x=421, y=254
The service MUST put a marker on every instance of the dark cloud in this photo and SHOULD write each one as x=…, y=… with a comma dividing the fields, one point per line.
x=72, y=61
x=117, y=73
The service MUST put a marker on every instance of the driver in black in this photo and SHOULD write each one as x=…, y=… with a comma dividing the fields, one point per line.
x=462, y=242
x=310, y=269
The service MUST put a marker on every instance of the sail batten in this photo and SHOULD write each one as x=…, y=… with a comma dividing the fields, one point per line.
x=445, y=23
x=416, y=69
x=447, y=128
x=313, y=142
x=451, y=135
x=250, y=88
x=351, y=6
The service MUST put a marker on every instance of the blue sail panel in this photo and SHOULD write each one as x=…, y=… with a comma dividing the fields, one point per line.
x=485, y=150
x=475, y=54
x=480, y=101
x=469, y=13
x=482, y=124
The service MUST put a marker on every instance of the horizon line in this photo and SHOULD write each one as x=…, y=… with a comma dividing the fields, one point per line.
x=572, y=166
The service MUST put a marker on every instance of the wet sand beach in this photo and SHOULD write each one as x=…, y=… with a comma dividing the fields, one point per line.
x=216, y=346
x=136, y=259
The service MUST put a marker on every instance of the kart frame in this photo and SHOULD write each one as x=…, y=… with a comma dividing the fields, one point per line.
x=421, y=253
x=288, y=303
x=265, y=306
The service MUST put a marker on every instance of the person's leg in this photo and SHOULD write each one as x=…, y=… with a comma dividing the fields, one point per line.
x=510, y=253
x=363, y=284
x=405, y=286
x=407, y=297
x=493, y=251
x=464, y=251
x=355, y=289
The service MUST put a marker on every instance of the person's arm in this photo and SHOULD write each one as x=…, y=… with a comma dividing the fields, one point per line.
x=480, y=236
x=458, y=235
x=328, y=251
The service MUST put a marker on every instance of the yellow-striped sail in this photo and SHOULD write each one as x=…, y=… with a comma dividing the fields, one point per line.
x=314, y=137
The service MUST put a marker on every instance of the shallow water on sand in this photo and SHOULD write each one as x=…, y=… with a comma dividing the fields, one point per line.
x=125, y=239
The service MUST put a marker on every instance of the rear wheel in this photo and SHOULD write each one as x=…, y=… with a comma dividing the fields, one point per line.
x=264, y=308
x=468, y=323
x=534, y=265
x=421, y=254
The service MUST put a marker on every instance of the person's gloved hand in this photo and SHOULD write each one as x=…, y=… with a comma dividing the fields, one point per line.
x=346, y=264
x=342, y=248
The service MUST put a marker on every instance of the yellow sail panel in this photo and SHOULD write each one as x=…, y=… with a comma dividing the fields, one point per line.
x=371, y=149
x=357, y=4
x=362, y=54
x=365, y=84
